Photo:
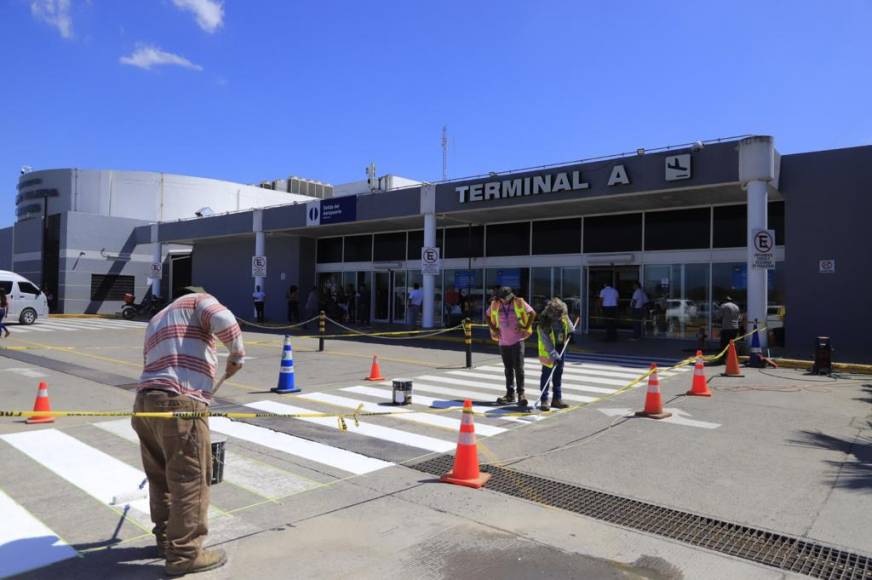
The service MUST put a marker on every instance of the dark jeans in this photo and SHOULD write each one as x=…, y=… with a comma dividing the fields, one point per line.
x=611, y=315
x=513, y=361
x=556, y=381
x=258, y=309
x=637, y=322
x=728, y=334
x=293, y=312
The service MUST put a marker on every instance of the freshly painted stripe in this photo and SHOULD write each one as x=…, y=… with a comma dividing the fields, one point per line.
x=33, y=328
x=624, y=361
x=94, y=472
x=418, y=399
x=55, y=326
x=531, y=394
x=578, y=387
x=310, y=450
x=27, y=543
x=257, y=477
x=400, y=413
x=575, y=371
x=361, y=427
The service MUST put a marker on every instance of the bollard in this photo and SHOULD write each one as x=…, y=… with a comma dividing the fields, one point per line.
x=322, y=330
x=467, y=338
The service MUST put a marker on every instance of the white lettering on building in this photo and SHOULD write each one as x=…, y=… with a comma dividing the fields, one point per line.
x=619, y=176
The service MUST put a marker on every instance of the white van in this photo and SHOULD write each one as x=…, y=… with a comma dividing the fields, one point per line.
x=26, y=302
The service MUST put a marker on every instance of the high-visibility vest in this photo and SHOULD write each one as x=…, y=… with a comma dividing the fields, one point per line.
x=520, y=313
x=544, y=355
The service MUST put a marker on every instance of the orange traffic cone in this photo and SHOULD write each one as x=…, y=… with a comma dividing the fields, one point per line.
x=375, y=371
x=732, y=362
x=41, y=404
x=653, y=400
x=699, y=386
x=465, y=470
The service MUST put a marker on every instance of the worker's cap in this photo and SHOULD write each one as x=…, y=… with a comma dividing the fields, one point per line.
x=505, y=293
x=728, y=299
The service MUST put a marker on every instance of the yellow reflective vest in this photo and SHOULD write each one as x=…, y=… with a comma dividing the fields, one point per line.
x=520, y=313
x=545, y=355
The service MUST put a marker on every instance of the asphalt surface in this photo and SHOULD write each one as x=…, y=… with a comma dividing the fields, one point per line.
x=776, y=450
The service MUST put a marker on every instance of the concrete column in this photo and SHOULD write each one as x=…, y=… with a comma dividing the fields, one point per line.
x=757, y=172
x=156, y=258
x=428, y=208
x=259, y=242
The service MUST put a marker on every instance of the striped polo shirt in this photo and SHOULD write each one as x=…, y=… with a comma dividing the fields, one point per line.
x=179, y=353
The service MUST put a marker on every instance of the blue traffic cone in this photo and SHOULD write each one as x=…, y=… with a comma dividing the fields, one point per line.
x=286, y=372
x=755, y=358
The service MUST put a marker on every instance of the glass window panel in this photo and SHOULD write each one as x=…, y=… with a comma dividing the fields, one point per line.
x=468, y=284
x=683, y=229
x=508, y=239
x=464, y=242
x=731, y=222
x=775, y=313
x=541, y=292
x=728, y=279
x=401, y=293
x=557, y=236
x=613, y=233
x=363, y=298
x=518, y=279
x=329, y=250
x=388, y=247
x=358, y=248
x=416, y=242
x=776, y=221
x=570, y=291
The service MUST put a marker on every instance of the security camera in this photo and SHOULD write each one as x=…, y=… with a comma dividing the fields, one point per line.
x=697, y=146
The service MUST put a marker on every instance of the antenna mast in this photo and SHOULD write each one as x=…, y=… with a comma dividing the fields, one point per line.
x=445, y=152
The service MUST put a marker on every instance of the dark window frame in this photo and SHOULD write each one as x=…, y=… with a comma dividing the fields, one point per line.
x=499, y=235
x=659, y=230
x=590, y=230
x=574, y=249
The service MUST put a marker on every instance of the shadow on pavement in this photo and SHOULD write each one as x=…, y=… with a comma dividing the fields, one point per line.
x=855, y=472
x=132, y=562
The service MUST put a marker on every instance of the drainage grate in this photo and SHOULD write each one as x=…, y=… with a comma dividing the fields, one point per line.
x=764, y=547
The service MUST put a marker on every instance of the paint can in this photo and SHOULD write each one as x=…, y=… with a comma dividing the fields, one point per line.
x=402, y=391
x=218, y=442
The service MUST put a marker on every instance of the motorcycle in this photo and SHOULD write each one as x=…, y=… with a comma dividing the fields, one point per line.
x=147, y=308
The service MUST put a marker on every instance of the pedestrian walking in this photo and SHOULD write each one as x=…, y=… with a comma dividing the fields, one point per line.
x=4, y=311
x=258, y=296
x=609, y=297
x=179, y=375
x=637, y=305
x=730, y=314
x=293, y=297
x=313, y=302
x=510, y=320
x=416, y=299
x=553, y=329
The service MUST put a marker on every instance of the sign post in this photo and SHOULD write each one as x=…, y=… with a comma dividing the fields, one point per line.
x=156, y=271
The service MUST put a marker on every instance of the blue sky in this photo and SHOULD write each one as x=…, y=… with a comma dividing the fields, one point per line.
x=255, y=89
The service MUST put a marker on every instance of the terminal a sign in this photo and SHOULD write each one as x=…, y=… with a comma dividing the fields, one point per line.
x=331, y=211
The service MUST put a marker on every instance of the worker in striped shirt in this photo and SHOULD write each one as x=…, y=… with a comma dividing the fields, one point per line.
x=179, y=375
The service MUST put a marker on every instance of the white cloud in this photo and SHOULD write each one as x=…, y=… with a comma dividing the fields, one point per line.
x=55, y=13
x=146, y=57
x=209, y=13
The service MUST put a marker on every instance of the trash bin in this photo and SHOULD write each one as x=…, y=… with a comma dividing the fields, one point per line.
x=402, y=391
x=218, y=442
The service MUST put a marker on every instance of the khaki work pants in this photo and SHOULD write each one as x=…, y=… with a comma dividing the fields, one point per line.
x=177, y=458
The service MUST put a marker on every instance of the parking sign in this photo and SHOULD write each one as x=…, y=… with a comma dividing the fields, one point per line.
x=430, y=262
x=258, y=267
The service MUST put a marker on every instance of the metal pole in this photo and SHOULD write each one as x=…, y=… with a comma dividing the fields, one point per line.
x=467, y=338
x=322, y=330
x=44, y=240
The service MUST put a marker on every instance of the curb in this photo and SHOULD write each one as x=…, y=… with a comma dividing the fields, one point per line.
x=790, y=363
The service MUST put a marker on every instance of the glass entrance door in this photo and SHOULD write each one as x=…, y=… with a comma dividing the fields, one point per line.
x=390, y=296
x=621, y=278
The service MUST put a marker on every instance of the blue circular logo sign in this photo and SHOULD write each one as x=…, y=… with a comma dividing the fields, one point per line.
x=313, y=214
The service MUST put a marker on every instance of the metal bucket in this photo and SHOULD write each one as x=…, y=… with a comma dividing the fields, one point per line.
x=218, y=442
x=402, y=391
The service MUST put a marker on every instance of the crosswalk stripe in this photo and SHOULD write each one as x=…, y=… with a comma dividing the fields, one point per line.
x=27, y=543
x=401, y=413
x=361, y=427
x=445, y=391
x=624, y=362
x=493, y=387
x=55, y=326
x=94, y=472
x=257, y=477
x=614, y=373
x=31, y=328
x=319, y=453
x=418, y=399
x=578, y=387
x=458, y=396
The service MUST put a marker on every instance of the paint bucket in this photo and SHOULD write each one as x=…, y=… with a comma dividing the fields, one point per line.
x=402, y=391
x=218, y=442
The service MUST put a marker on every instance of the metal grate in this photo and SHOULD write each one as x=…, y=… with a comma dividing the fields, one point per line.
x=762, y=546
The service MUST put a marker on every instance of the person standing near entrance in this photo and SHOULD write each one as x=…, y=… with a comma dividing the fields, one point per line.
x=258, y=295
x=178, y=375
x=554, y=329
x=609, y=297
x=416, y=299
x=510, y=320
x=637, y=304
x=730, y=315
x=293, y=297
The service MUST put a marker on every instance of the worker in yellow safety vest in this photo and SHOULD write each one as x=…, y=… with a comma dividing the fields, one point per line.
x=554, y=329
x=510, y=320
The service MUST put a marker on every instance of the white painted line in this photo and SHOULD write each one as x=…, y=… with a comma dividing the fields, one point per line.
x=363, y=428
x=55, y=326
x=94, y=472
x=257, y=477
x=531, y=395
x=458, y=396
x=31, y=328
x=317, y=452
x=566, y=385
x=26, y=542
x=496, y=387
x=623, y=362
x=25, y=372
x=400, y=413
x=678, y=417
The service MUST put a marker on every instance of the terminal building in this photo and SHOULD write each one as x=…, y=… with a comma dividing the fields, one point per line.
x=692, y=224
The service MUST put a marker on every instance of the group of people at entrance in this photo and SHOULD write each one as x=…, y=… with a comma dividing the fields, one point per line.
x=511, y=321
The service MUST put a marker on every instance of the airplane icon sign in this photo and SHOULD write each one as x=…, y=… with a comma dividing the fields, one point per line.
x=678, y=167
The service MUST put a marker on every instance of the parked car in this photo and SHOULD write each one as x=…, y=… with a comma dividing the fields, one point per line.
x=26, y=302
x=774, y=316
x=681, y=309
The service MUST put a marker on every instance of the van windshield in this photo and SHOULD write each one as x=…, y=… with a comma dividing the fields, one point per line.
x=28, y=288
